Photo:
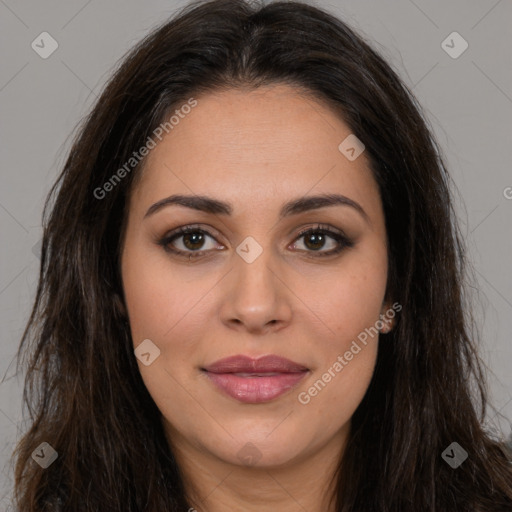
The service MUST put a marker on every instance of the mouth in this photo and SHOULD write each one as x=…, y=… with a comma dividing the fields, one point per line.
x=254, y=381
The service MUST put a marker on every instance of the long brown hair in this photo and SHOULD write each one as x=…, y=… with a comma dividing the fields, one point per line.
x=83, y=388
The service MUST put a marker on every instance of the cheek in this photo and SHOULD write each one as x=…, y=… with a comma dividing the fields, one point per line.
x=346, y=300
x=337, y=399
x=157, y=299
x=347, y=355
x=170, y=308
x=161, y=305
x=347, y=305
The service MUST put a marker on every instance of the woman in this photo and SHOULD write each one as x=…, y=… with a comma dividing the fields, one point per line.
x=251, y=288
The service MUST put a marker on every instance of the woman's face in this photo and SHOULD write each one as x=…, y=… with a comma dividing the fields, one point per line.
x=258, y=287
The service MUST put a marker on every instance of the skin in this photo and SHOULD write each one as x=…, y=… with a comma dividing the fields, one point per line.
x=256, y=149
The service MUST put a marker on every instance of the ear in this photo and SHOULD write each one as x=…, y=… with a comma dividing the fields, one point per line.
x=387, y=317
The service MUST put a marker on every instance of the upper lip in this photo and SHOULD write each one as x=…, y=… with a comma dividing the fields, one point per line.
x=246, y=364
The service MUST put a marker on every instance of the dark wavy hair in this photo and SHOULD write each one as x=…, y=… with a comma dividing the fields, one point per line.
x=83, y=389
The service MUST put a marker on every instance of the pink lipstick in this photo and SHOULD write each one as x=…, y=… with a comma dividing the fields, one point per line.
x=253, y=381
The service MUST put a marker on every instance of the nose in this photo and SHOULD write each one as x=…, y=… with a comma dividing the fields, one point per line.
x=257, y=299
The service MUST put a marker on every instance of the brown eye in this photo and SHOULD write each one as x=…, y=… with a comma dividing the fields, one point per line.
x=314, y=240
x=188, y=241
x=317, y=237
x=194, y=240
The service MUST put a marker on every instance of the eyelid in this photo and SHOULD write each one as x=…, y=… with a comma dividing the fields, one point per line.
x=319, y=226
x=204, y=228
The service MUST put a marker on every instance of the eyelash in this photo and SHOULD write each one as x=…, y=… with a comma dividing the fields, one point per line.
x=342, y=240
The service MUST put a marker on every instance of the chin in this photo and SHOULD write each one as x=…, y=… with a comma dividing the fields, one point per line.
x=261, y=452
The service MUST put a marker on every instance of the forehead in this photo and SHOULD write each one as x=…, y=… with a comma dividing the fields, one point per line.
x=252, y=146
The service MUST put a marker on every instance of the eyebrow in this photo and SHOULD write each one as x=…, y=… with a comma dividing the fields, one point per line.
x=293, y=207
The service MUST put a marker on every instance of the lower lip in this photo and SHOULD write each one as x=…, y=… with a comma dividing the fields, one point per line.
x=253, y=390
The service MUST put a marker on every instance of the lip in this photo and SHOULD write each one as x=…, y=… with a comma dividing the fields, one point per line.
x=258, y=380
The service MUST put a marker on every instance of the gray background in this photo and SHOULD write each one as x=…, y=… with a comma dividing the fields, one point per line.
x=468, y=101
